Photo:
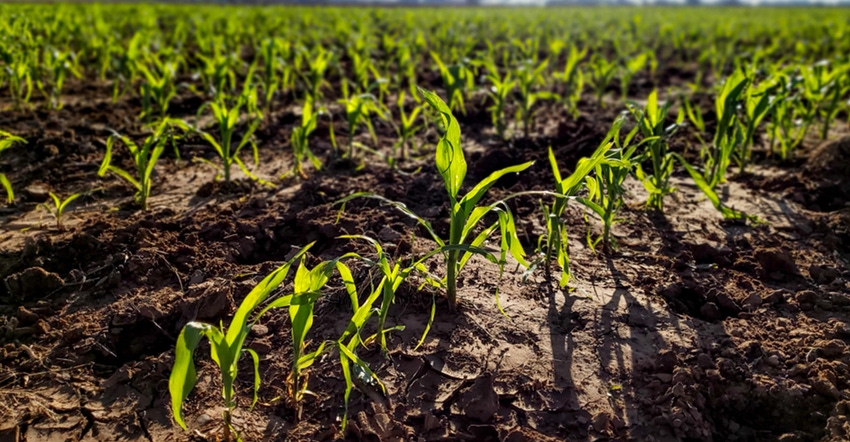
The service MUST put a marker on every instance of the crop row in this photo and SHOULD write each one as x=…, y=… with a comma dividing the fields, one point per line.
x=770, y=84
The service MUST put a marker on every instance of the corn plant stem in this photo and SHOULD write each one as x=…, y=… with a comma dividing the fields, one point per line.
x=455, y=232
x=225, y=145
x=451, y=276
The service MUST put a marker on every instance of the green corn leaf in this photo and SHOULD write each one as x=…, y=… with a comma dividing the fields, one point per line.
x=183, y=375
x=256, y=359
x=7, y=185
x=471, y=199
x=449, y=158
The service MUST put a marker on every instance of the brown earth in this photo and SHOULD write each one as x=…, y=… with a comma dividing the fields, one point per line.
x=693, y=329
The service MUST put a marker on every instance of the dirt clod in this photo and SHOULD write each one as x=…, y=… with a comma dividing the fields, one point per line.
x=33, y=282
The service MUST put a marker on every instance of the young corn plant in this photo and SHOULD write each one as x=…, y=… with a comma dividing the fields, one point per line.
x=307, y=288
x=554, y=242
x=226, y=346
x=144, y=157
x=457, y=79
x=299, y=140
x=18, y=69
x=57, y=65
x=466, y=214
x=529, y=78
x=632, y=66
x=500, y=89
x=605, y=186
x=227, y=119
x=276, y=72
x=6, y=142
x=601, y=73
x=757, y=100
x=651, y=121
x=59, y=206
x=358, y=110
x=158, y=88
x=408, y=127
x=822, y=85
x=727, y=135
x=573, y=79
x=318, y=63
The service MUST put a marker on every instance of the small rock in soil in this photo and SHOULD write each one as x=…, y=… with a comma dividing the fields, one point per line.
x=727, y=303
x=32, y=282
x=806, y=297
x=832, y=349
x=825, y=388
x=710, y=311
x=776, y=261
x=823, y=274
x=753, y=301
x=666, y=361
x=777, y=296
x=37, y=192
x=480, y=402
x=600, y=422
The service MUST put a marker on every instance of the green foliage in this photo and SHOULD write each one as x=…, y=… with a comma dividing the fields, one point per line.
x=652, y=124
x=226, y=345
x=6, y=142
x=529, y=77
x=605, y=185
x=408, y=127
x=573, y=78
x=458, y=78
x=59, y=206
x=144, y=159
x=300, y=136
x=358, y=110
x=555, y=241
x=227, y=119
x=466, y=214
x=500, y=89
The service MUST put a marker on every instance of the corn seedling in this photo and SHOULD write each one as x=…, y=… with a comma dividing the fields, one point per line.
x=59, y=206
x=554, y=242
x=158, y=87
x=605, y=186
x=408, y=127
x=227, y=118
x=529, y=77
x=651, y=121
x=18, y=75
x=319, y=62
x=276, y=72
x=465, y=213
x=144, y=158
x=457, y=79
x=6, y=141
x=757, y=102
x=500, y=89
x=299, y=140
x=601, y=73
x=727, y=134
x=573, y=79
x=306, y=290
x=631, y=67
x=57, y=65
x=226, y=346
x=358, y=110
x=822, y=84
